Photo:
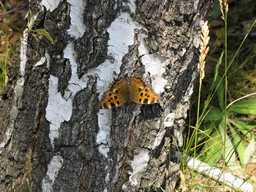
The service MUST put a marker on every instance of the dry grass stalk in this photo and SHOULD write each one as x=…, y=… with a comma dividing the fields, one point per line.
x=223, y=7
x=204, y=49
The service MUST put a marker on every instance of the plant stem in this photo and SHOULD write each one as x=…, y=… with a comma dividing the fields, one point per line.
x=226, y=79
x=198, y=114
x=241, y=98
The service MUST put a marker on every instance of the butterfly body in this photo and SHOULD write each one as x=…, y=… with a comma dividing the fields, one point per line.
x=128, y=90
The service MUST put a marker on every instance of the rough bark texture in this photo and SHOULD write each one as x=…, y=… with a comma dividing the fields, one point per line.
x=172, y=28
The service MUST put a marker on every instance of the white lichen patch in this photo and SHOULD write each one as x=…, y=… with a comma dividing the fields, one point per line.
x=117, y=47
x=159, y=138
x=50, y=4
x=169, y=120
x=6, y=138
x=58, y=109
x=75, y=84
x=138, y=164
x=47, y=56
x=77, y=26
x=155, y=66
x=104, y=122
x=23, y=52
x=52, y=172
x=107, y=178
x=40, y=62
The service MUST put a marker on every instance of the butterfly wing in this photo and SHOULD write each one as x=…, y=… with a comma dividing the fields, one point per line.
x=140, y=93
x=116, y=96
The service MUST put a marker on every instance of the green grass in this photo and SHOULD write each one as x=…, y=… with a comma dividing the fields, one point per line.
x=4, y=59
x=215, y=119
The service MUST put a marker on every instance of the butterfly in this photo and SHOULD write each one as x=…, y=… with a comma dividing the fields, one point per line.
x=128, y=90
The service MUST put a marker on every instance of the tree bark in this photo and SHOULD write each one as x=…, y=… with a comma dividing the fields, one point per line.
x=54, y=137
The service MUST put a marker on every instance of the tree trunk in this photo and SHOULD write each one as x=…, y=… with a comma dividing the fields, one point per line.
x=54, y=136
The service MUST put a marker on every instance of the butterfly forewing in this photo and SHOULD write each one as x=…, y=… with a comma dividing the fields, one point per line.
x=140, y=93
x=116, y=96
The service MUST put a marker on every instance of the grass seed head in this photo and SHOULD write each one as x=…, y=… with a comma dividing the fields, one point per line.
x=223, y=8
x=204, y=48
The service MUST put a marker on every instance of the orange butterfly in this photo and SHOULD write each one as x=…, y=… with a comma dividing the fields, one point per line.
x=124, y=91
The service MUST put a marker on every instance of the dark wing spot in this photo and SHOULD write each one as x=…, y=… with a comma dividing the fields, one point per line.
x=141, y=94
x=139, y=100
x=118, y=102
x=109, y=100
x=116, y=91
x=145, y=101
x=140, y=89
x=112, y=104
x=115, y=97
x=146, y=89
x=105, y=105
x=110, y=94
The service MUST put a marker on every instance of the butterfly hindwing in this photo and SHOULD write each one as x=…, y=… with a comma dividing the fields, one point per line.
x=140, y=93
x=116, y=96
